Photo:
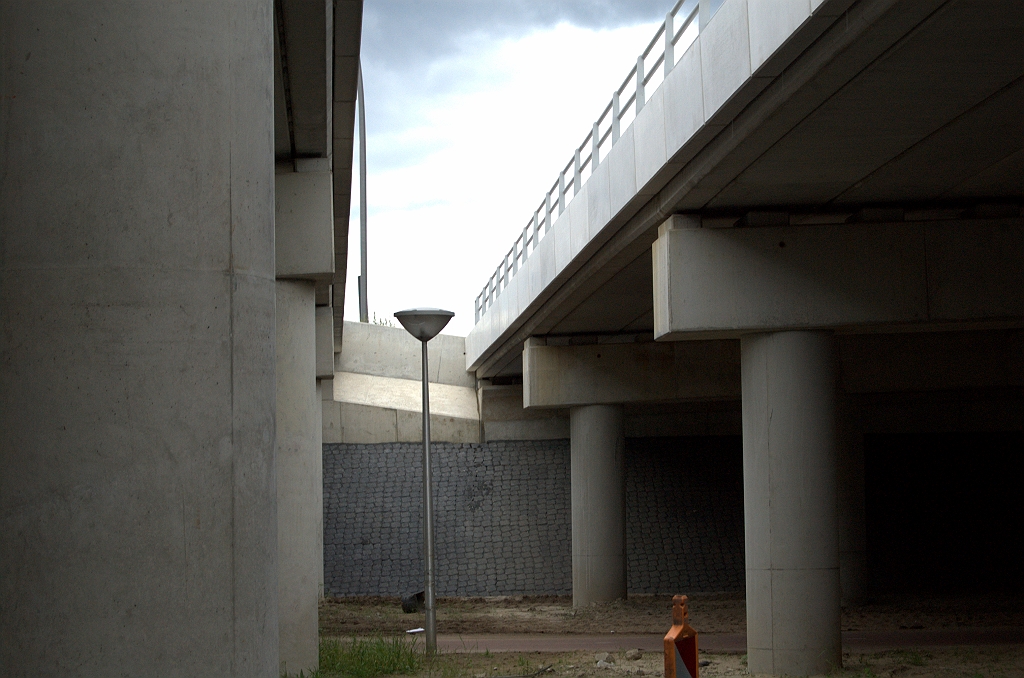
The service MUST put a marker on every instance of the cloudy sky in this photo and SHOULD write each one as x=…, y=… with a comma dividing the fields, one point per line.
x=472, y=108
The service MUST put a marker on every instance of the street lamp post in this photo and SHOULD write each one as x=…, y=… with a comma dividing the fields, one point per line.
x=424, y=324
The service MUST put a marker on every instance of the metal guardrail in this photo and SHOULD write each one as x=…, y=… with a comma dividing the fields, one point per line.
x=604, y=134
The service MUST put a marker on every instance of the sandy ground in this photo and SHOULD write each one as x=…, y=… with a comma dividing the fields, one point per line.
x=721, y=613
x=709, y=613
x=984, y=662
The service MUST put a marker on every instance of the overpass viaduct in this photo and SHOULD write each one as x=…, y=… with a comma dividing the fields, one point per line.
x=817, y=214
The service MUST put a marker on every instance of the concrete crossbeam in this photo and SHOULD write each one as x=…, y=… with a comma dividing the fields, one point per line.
x=715, y=283
x=304, y=224
x=609, y=373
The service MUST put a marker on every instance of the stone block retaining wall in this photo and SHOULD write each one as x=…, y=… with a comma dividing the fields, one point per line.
x=503, y=517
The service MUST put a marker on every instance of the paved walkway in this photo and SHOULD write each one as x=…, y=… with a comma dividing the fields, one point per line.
x=856, y=641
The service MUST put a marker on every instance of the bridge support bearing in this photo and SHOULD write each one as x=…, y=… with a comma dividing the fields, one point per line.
x=598, y=503
x=790, y=455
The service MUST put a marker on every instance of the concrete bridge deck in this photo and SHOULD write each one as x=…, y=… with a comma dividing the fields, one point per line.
x=804, y=114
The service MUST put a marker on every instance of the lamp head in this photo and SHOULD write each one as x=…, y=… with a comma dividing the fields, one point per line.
x=424, y=323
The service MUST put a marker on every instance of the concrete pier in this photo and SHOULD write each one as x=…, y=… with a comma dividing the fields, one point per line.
x=299, y=477
x=853, y=560
x=598, y=464
x=789, y=487
x=137, y=485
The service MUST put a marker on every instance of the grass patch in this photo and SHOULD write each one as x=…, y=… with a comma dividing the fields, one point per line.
x=368, y=657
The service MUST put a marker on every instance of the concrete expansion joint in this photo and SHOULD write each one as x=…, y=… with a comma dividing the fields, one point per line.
x=865, y=214
x=593, y=339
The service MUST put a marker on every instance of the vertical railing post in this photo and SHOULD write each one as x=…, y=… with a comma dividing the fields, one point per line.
x=547, y=212
x=515, y=256
x=670, y=48
x=595, y=147
x=561, y=192
x=639, y=84
x=536, y=229
x=577, y=173
x=526, y=242
x=615, y=117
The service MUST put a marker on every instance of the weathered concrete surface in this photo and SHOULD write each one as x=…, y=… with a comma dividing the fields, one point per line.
x=304, y=224
x=504, y=417
x=598, y=446
x=790, y=494
x=608, y=373
x=404, y=394
x=346, y=39
x=299, y=451
x=384, y=351
x=377, y=390
x=370, y=424
x=137, y=482
x=324, y=343
x=723, y=282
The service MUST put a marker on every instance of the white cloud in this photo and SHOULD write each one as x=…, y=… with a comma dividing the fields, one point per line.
x=459, y=181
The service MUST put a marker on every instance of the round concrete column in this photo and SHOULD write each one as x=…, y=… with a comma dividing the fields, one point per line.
x=789, y=489
x=138, y=520
x=853, y=564
x=299, y=478
x=598, y=504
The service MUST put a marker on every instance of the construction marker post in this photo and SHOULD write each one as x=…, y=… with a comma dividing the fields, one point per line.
x=681, y=643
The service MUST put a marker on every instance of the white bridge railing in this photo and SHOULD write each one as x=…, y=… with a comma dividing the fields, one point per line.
x=677, y=31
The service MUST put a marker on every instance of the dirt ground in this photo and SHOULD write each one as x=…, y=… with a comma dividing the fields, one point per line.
x=640, y=614
x=986, y=662
x=720, y=613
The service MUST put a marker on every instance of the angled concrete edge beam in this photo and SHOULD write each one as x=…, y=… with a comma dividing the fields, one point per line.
x=715, y=283
x=404, y=394
x=566, y=376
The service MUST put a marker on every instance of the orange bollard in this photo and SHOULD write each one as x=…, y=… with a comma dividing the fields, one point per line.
x=681, y=643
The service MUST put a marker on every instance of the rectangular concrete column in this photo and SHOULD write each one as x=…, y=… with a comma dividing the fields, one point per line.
x=598, y=463
x=320, y=484
x=137, y=483
x=299, y=477
x=789, y=489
